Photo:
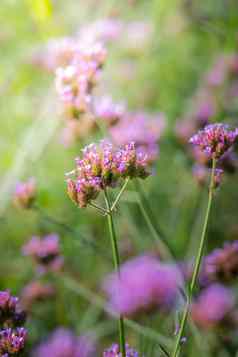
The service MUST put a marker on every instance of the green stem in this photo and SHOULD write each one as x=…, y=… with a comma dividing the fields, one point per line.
x=198, y=260
x=116, y=259
x=120, y=194
x=155, y=231
x=102, y=210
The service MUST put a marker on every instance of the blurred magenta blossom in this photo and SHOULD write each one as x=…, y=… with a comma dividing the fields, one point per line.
x=144, y=284
x=45, y=251
x=213, y=306
x=114, y=351
x=25, y=193
x=63, y=343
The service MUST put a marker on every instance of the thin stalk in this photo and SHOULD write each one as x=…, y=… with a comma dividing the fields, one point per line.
x=120, y=194
x=198, y=260
x=155, y=231
x=116, y=259
x=102, y=210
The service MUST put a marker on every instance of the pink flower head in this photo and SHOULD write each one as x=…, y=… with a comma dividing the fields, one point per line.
x=221, y=264
x=45, y=251
x=212, y=306
x=63, y=343
x=57, y=52
x=108, y=111
x=114, y=351
x=105, y=30
x=141, y=128
x=215, y=139
x=218, y=73
x=144, y=284
x=25, y=193
x=36, y=291
x=102, y=166
x=74, y=83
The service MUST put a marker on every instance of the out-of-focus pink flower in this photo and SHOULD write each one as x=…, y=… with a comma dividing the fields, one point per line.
x=114, y=351
x=184, y=129
x=45, y=251
x=108, y=111
x=58, y=52
x=36, y=291
x=201, y=174
x=217, y=75
x=63, y=343
x=74, y=83
x=137, y=35
x=221, y=264
x=25, y=193
x=75, y=129
x=144, y=284
x=104, y=30
x=141, y=128
x=212, y=307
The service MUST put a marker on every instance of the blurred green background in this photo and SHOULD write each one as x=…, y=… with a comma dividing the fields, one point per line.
x=188, y=36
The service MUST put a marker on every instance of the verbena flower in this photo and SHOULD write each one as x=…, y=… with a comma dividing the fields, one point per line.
x=114, y=351
x=11, y=314
x=57, y=52
x=103, y=30
x=102, y=166
x=63, y=343
x=45, y=252
x=25, y=193
x=12, y=341
x=34, y=292
x=74, y=83
x=215, y=139
x=221, y=264
x=144, y=284
x=108, y=111
x=213, y=306
x=143, y=129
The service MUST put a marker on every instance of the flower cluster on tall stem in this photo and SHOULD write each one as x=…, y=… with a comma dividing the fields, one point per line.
x=215, y=140
x=102, y=167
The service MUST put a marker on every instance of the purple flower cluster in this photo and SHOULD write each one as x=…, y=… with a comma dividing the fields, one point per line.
x=215, y=139
x=215, y=95
x=11, y=315
x=12, y=341
x=12, y=334
x=142, y=128
x=74, y=83
x=58, y=52
x=221, y=265
x=213, y=306
x=103, y=166
x=25, y=193
x=45, y=252
x=114, y=351
x=63, y=343
x=108, y=111
x=201, y=174
x=144, y=284
x=36, y=291
x=104, y=30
